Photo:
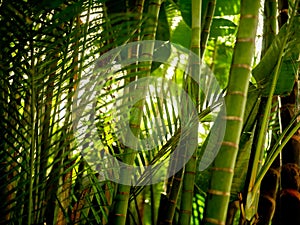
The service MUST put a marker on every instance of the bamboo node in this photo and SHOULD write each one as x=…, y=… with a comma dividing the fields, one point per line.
x=172, y=201
x=195, y=46
x=190, y=172
x=233, y=118
x=249, y=16
x=216, y=192
x=123, y=215
x=230, y=144
x=228, y=170
x=236, y=93
x=134, y=126
x=214, y=221
x=283, y=11
x=147, y=54
x=123, y=193
x=177, y=178
x=244, y=66
x=189, y=212
x=245, y=40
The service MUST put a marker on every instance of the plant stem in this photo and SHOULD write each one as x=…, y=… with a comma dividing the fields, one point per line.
x=32, y=147
x=188, y=183
x=224, y=164
x=265, y=120
x=207, y=24
x=123, y=191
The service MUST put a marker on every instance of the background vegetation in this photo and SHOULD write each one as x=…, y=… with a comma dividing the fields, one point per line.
x=47, y=47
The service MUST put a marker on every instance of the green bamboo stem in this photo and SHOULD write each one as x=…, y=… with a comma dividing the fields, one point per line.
x=133, y=52
x=168, y=207
x=235, y=99
x=123, y=191
x=188, y=183
x=139, y=9
x=207, y=24
x=168, y=201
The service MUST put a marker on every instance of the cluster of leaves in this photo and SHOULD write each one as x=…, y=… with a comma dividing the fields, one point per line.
x=48, y=46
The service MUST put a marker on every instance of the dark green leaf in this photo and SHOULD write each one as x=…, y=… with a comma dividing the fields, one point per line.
x=222, y=27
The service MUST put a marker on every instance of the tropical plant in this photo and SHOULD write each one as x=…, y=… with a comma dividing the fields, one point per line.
x=111, y=113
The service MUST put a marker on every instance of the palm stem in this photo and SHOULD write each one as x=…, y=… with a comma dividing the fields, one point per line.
x=123, y=191
x=193, y=90
x=169, y=203
x=207, y=24
x=224, y=164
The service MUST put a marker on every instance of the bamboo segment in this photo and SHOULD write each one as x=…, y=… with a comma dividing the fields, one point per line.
x=193, y=91
x=207, y=24
x=118, y=215
x=169, y=203
x=218, y=199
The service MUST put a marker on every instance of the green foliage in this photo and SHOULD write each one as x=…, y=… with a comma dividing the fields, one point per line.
x=178, y=38
x=223, y=8
x=48, y=46
x=222, y=27
x=264, y=71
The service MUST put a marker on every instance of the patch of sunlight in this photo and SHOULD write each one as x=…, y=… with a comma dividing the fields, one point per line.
x=259, y=35
x=86, y=17
x=234, y=18
x=116, y=67
x=175, y=21
x=183, y=59
x=202, y=132
x=172, y=68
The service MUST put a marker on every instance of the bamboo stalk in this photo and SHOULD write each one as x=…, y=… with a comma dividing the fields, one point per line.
x=120, y=208
x=223, y=167
x=207, y=24
x=169, y=203
x=193, y=90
